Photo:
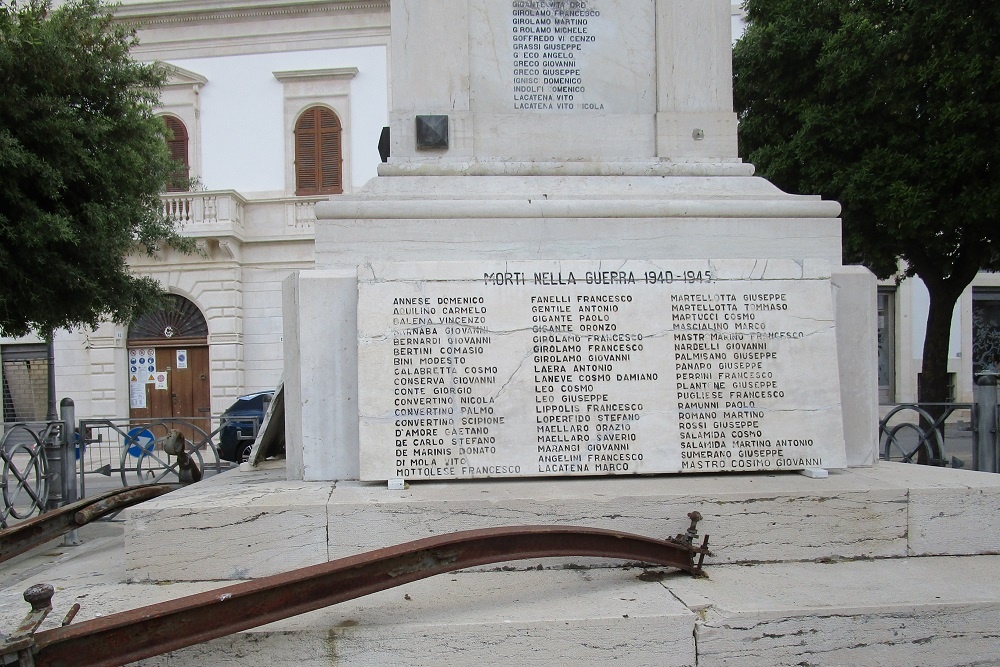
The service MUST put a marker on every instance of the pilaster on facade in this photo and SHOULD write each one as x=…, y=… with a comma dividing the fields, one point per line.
x=228, y=369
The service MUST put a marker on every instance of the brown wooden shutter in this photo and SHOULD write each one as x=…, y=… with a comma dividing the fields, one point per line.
x=318, y=154
x=178, y=147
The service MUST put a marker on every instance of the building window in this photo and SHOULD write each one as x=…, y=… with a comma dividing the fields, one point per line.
x=318, y=155
x=985, y=330
x=180, y=108
x=886, y=346
x=952, y=383
x=316, y=97
x=177, y=144
x=25, y=378
x=181, y=320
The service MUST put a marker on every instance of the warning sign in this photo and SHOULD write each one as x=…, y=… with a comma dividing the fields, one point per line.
x=142, y=361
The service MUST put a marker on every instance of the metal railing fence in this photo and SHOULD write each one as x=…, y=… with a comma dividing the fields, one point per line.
x=32, y=456
x=45, y=465
x=920, y=432
x=959, y=435
x=132, y=448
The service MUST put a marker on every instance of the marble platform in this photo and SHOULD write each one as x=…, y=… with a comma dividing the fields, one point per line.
x=249, y=524
x=892, y=566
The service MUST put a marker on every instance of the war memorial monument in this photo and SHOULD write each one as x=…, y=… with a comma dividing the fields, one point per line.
x=566, y=300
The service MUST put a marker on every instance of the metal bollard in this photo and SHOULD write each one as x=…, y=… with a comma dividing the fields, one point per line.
x=60, y=459
x=985, y=456
x=54, y=454
x=67, y=412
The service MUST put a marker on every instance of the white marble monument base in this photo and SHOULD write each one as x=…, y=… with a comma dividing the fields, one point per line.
x=892, y=566
x=245, y=525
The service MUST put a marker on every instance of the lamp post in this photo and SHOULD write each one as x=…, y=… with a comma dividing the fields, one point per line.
x=51, y=412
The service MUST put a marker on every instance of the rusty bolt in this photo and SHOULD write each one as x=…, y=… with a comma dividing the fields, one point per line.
x=692, y=531
x=39, y=596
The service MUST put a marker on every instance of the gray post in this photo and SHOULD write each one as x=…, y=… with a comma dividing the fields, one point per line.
x=984, y=456
x=54, y=453
x=67, y=412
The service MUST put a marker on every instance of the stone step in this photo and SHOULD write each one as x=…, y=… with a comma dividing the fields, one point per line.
x=249, y=524
x=928, y=611
x=933, y=612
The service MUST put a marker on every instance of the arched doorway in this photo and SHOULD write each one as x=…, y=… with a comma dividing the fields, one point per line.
x=169, y=365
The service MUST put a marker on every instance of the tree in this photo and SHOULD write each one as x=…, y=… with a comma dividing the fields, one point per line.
x=83, y=159
x=890, y=107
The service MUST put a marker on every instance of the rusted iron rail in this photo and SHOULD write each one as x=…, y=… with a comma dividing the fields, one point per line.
x=119, y=639
x=39, y=530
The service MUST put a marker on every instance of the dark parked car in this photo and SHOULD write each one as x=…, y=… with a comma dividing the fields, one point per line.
x=240, y=423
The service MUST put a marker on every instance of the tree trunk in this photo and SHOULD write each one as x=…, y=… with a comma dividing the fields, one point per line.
x=933, y=385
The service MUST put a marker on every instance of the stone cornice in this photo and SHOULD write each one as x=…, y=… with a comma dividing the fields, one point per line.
x=798, y=207
x=158, y=13
x=316, y=74
x=178, y=76
x=180, y=29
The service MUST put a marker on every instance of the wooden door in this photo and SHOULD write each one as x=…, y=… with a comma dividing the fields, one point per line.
x=186, y=392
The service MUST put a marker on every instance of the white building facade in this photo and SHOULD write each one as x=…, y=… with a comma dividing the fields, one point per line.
x=975, y=337
x=246, y=77
x=245, y=74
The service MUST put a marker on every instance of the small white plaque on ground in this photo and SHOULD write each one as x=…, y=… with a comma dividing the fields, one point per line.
x=565, y=368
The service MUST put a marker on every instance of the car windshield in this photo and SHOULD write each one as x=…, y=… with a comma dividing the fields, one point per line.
x=251, y=403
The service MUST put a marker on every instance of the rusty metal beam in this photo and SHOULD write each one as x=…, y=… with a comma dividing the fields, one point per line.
x=119, y=639
x=35, y=532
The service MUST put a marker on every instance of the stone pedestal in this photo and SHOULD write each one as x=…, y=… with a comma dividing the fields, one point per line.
x=253, y=524
x=555, y=131
x=641, y=216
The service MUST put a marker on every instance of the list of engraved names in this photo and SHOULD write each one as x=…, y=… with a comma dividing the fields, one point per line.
x=550, y=38
x=576, y=371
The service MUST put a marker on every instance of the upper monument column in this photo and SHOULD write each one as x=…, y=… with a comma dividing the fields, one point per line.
x=573, y=80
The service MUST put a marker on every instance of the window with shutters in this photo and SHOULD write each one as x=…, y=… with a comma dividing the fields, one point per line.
x=177, y=144
x=180, y=104
x=318, y=155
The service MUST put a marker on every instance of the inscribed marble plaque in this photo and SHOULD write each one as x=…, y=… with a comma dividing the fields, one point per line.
x=563, y=56
x=566, y=368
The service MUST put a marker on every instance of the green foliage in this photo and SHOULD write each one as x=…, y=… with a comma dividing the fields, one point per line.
x=82, y=162
x=890, y=107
